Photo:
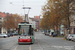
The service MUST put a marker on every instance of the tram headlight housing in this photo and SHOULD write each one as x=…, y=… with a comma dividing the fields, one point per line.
x=29, y=37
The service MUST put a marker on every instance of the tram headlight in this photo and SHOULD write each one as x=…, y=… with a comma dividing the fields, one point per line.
x=29, y=37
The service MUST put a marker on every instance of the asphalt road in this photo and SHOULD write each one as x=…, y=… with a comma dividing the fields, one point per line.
x=42, y=42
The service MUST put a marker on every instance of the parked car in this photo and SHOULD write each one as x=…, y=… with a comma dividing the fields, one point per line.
x=11, y=34
x=54, y=34
x=43, y=32
x=3, y=35
x=69, y=37
x=47, y=34
x=8, y=35
x=15, y=33
x=73, y=38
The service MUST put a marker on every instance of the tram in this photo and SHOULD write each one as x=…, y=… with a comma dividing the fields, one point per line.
x=26, y=33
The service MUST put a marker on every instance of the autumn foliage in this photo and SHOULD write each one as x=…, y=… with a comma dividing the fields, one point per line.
x=55, y=13
x=11, y=21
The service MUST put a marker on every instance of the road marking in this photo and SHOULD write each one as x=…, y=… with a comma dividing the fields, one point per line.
x=64, y=47
x=30, y=47
x=16, y=47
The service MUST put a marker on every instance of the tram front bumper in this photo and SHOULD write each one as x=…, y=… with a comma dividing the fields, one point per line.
x=24, y=41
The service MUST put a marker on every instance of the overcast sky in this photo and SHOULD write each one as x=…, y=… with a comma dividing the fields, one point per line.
x=15, y=6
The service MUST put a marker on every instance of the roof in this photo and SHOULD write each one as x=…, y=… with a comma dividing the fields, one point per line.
x=3, y=14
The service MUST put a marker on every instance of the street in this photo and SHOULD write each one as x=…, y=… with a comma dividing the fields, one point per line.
x=42, y=42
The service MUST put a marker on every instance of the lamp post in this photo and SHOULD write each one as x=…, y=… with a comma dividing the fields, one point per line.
x=26, y=15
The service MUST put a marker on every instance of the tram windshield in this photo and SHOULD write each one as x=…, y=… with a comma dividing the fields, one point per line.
x=25, y=30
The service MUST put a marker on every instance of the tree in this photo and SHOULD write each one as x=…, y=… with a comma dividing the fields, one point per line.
x=58, y=12
x=17, y=19
x=11, y=21
x=51, y=14
x=45, y=22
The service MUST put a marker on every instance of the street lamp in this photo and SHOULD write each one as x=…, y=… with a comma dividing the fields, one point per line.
x=26, y=15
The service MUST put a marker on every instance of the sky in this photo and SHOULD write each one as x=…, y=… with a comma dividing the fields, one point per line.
x=16, y=6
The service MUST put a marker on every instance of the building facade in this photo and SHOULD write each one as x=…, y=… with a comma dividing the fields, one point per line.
x=35, y=22
x=72, y=24
x=2, y=17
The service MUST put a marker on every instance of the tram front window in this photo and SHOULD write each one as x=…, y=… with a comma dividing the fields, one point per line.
x=24, y=30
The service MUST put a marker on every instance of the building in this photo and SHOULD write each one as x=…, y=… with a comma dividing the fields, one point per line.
x=30, y=21
x=38, y=21
x=72, y=19
x=2, y=17
x=72, y=24
x=35, y=22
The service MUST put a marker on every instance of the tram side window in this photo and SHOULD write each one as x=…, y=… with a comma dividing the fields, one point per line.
x=32, y=31
x=19, y=30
